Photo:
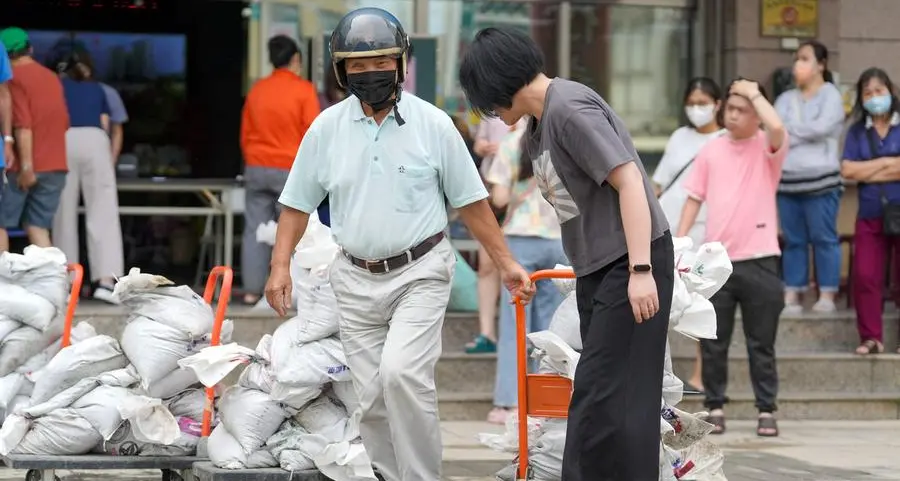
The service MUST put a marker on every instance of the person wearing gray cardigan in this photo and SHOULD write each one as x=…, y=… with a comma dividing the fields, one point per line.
x=810, y=190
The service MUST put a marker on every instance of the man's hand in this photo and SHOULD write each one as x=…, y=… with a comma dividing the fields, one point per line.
x=10, y=154
x=745, y=88
x=642, y=295
x=27, y=179
x=278, y=290
x=517, y=281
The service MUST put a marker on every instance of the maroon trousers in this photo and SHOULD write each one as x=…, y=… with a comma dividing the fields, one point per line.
x=870, y=254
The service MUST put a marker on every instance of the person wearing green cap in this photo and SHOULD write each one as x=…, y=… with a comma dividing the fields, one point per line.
x=35, y=180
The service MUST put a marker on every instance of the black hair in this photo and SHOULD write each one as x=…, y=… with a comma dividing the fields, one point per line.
x=526, y=168
x=20, y=52
x=281, y=50
x=859, y=113
x=495, y=66
x=709, y=87
x=820, y=51
x=72, y=65
x=762, y=90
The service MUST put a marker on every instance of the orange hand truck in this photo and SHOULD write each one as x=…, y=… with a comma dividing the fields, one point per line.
x=74, y=295
x=541, y=395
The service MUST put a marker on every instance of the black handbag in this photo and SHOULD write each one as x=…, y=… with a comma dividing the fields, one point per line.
x=891, y=212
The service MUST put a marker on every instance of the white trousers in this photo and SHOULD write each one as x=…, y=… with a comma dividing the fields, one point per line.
x=391, y=332
x=93, y=176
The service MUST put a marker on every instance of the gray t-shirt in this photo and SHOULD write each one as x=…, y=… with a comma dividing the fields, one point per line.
x=576, y=144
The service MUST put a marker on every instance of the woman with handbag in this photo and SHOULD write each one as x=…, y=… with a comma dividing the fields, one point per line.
x=809, y=194
x=702, y=107
x=533, y=234
x=872, y=158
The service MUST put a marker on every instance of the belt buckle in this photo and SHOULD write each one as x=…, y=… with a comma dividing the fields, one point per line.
x=383, y=263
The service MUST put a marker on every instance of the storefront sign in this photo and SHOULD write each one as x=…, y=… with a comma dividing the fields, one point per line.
x=789, y=18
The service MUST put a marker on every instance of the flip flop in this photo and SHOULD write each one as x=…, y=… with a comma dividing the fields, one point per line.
x=692, y=390
x=718, y=422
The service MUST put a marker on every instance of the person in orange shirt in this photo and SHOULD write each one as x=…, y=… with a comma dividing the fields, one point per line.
x=277, y=112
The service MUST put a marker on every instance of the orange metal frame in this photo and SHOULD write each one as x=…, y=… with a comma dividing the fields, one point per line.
x=223, y=273
x=542, y=395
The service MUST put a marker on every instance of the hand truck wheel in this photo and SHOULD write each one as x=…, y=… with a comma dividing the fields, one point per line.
x=35, y=475
x=171, y=475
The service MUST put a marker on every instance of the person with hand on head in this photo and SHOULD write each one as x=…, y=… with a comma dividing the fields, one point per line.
x=736, y=177
x=810, y=191
x=872, y=158
x=702, y=107
x=386, y=160
x=617, y=238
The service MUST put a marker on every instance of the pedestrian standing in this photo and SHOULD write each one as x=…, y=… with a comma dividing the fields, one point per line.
x=34, y=182
x=872, y=158
x=809, y=194
x=617, y=238
x=277, y=114
x=386, y=160
x=736, y=176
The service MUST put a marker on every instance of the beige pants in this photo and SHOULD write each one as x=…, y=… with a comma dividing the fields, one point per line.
x=91, y=175
x=391, y=331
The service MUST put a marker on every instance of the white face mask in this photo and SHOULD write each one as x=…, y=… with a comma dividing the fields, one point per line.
x=700, y=115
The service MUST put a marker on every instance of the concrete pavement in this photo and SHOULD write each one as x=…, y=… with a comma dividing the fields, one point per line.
x=806, y=451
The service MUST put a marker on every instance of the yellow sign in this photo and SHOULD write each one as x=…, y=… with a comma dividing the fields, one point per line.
x=789, y=18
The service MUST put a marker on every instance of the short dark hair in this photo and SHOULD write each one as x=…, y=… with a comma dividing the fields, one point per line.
x=281, y=50
x=496, y=65
x=762, y=90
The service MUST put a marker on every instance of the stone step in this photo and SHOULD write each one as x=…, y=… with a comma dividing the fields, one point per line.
x=469, y=406
x=796, y=334
x=837, y=373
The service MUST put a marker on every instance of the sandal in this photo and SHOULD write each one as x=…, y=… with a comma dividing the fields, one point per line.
x=870, y=346
x=767, y=426
x=692, y=390
x=481, y=345
x=718, y=422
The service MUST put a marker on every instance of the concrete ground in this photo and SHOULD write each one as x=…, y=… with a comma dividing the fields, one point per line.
x=806, y=451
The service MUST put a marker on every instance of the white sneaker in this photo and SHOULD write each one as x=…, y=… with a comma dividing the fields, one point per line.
x=824, y=305
x=105, y=294
x=792, y=310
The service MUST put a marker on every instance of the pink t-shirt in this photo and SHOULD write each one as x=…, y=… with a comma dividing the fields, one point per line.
x=738, y=181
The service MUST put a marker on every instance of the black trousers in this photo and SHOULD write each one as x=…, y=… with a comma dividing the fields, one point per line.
x=756, y=287
x=613, y=428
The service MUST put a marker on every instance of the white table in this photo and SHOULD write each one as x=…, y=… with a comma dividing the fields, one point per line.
x=215, y=193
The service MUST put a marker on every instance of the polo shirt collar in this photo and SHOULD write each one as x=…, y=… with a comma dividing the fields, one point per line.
x=895, y=120
x=358, y=114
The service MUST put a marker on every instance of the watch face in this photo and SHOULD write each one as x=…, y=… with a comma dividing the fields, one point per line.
x=641, y=268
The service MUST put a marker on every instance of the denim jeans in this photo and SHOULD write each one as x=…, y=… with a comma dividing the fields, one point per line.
x=810, y=219
x=534, y=253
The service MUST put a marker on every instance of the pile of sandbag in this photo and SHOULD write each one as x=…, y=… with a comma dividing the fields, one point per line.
x=294, y=405
x=34, y=289
x=127, y=396
x=685, y=454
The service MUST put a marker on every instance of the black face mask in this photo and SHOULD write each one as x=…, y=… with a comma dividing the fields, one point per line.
x=374, y=88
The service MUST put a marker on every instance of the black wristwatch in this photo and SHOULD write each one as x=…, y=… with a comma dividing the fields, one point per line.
x=641, y=268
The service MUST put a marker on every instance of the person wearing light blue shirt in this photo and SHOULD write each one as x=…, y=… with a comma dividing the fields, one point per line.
x=386, y=162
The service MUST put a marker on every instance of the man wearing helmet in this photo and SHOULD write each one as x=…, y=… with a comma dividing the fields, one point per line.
x=386, y=162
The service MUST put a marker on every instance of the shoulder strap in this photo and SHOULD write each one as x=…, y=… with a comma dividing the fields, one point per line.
x=677, y=175
x=873, y=144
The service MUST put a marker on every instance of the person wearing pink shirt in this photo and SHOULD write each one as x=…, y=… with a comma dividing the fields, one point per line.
x=737, y=177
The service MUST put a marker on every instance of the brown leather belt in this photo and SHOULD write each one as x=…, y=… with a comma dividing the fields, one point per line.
x=393, y=263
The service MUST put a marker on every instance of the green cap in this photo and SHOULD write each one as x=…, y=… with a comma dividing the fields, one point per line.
x=14, y=39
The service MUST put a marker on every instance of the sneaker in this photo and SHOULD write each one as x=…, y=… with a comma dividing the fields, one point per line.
x=105, y=294
x=824, y=305
x=499, y=415
x=792, y=310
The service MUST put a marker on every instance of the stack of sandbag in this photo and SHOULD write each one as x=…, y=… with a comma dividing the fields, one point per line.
x=685, y=454
x=34, y=288
x=294, y=405
x=100, y=395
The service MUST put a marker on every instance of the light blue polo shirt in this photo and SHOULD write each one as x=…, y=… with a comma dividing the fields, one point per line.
x=385, y=184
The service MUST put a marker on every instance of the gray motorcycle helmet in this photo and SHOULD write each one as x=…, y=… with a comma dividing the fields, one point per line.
x=368, y=32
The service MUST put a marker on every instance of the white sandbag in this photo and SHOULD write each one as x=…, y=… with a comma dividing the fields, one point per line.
x=324, y=417
x=317, y=247
x=154, y=348
x=341, y=461
x=546, y=457
x=286, y=446
x=346, y=394
x=687, y=429
x=258, y=373
x=566, y=323
x=710, y=268
x=61, y=432
x=707, y=459
x=551, y=349
x=303, y=370
x=317, y=310
x=19, y=402
x=20, y=305
x=8, y=325
x=154, y=297
x=85, y=359
x=80, y=332
x=25, y=342
x=698, y=320
x=10, y=385
x=250, y=416
x=565, y=286
x=188, y=404
x=41, y=271
x=214, y=363
x=123, y=442
x=226, y=453
x=673, y=387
